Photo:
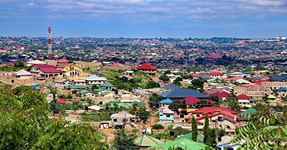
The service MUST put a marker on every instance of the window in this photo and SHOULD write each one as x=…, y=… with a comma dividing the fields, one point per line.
x=197, y=115
x=167, y=115
x=115, y=120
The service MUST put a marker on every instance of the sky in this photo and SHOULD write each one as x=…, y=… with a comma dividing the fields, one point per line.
x=144, y=18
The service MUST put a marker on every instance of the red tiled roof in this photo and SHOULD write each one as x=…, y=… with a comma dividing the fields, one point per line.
x=214, y=73
x=221, y=95
x=62, y=101
x=212, y=109
x=48, y=69
x=212, y=56
x=62, y=61
x=217, y=113
x=242, y=96
x=147, y=66
x=193, y=100
x=11, y=64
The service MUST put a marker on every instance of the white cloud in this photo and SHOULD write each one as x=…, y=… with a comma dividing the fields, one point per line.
x=197, y=9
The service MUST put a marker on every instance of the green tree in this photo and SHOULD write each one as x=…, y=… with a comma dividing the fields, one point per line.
x=94, y=87
x=194, y=129
x=157, y=126
x=124, y=140
x=198, y=82
x=260, y=107
x=167, y=72
x=152, y=84
x=144, y=115
x=24, y=124
x=175, y=105
x=264, y=130
x=164, y=77
x=206, y=123
x=154, y=100
x=23, y=88
x=233, y=105
x=19, y=64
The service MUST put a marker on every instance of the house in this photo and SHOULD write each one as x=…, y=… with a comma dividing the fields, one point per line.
x=128, y=73
x=219, y=117
x=121, y=117
x=243, y=100
x=148, y=69
x=95, y=80
x=207, y=77
x=202, y=111
x=46, y=71
x=179, y=94
x=281, y=92
x=216, y=75
x=192, y=101
x=184, y=143
x=145, y=141
x=166, y=115
x=165, y=102
x=60, y=84
x=97, y=74
x=22, y=75
x=226, y=122
x=79, y=82
x=107, y=85
x=169, y=87
x=70, y=69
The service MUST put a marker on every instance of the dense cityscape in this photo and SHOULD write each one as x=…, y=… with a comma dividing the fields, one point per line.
x=143, y=75
x=143, y=93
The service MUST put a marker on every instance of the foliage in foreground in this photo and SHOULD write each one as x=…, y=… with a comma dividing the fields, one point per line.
x=265, y=130
x=24, y=124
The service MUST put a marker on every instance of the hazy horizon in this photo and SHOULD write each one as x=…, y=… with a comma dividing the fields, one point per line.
x=144, y=18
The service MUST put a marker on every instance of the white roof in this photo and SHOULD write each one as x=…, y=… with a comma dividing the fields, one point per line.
x=242, y=81
x=95, y=78
x=95, y=107
x=36, y=62
x=23, y=73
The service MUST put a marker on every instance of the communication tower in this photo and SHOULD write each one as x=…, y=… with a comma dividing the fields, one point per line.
x=49, y=43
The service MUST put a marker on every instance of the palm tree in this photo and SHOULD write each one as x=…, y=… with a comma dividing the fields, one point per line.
x=264, y=131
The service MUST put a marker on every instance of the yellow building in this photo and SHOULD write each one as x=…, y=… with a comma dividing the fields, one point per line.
x=70, y=70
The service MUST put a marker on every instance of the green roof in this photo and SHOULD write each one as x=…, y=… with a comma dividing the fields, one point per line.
x=106, y=92
x=185, y=144
x=188, y=136
x=76, y=87
x=249, y=111
x=84, y=92
x=113, y=102
x=99, y=90
x=138, y=104
x=145, y=140
x=108, y=84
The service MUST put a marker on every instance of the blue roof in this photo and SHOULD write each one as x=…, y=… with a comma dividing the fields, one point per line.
x=257, y=78
x=281, y=89
x=97, y=73
x=277, y=78
x=166, y=101
x=108, y=84
x=246, y=72
x=228, y=146
x=204, y=76
x=171, y=87
x=183, y=93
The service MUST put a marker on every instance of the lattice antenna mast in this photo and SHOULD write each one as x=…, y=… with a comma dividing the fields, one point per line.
x=49, y=43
